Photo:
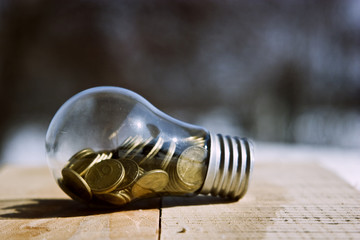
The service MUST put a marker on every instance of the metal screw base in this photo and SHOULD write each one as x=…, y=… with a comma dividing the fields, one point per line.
x=230, y=166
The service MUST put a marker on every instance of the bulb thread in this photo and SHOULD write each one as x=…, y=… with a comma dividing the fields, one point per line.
x=230, y=167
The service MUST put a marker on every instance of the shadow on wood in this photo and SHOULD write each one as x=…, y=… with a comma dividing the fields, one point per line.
x=172, y=201
x=63, y=208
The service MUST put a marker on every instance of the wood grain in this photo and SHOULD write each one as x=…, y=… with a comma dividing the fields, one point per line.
x=33, y=206
x=285, y=200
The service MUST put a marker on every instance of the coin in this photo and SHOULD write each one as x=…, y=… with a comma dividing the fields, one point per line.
x=68, y=192
x=190, y=166
x=154, y=150
x=169, y=155
x=74, y=185
x=104, y=155
x=105, y=176
x=83, y=164
x=116, y=197
x=141, y=171
x=128, y=147
x=80, y=154
x=154, y=180
x=139, y=149
x=196, y=140
x=126, y=142
x=175, y=185
x=139, y=192
x=131, y=173
x=133, y=145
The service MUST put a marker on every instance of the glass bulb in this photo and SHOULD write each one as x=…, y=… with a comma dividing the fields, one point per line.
x=110, y=145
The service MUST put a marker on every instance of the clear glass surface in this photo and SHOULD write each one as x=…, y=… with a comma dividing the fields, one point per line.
x=96, y=137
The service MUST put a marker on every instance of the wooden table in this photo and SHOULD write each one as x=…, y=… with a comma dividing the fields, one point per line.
x=286, y=199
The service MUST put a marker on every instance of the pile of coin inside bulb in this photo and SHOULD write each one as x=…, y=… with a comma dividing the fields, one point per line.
x=110, y=146
x=138, y=168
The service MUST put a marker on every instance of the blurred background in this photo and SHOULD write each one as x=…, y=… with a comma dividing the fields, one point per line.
x=274, y=71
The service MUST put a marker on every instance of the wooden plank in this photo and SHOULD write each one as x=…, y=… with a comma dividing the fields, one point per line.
x=285, y=200
x=33, y=207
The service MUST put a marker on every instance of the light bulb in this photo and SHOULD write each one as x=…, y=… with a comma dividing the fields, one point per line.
x=108, y=145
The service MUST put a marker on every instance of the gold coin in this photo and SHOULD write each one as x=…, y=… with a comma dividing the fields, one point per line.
x=130, y=142
x=83, y=164
x=155, y=180
x=105, y=176
x=126, y=142
x=190, y=166
x=82, y=153
x=69, y=192
x=169, y=155
x=104, y=155
x=175, y=185
x=141, y=171
x=128, y=147
x=133, y=145
x=139, y=149
x=116, y=197
x=155, y=149
x=74, y=185
x=138, y=191
x=196, y=140
x=131, y=173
